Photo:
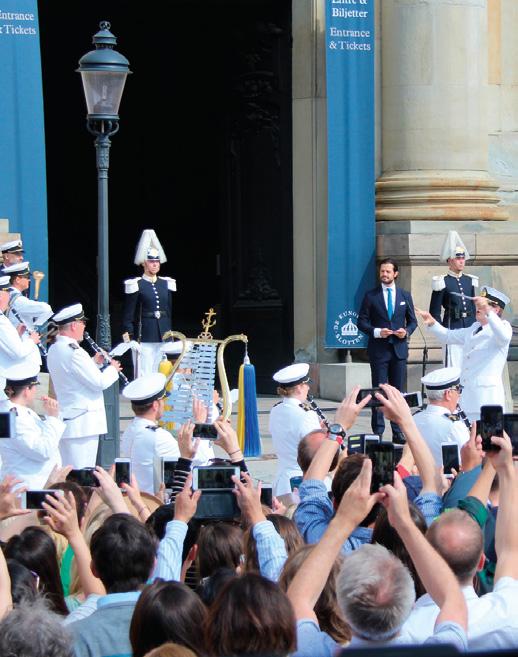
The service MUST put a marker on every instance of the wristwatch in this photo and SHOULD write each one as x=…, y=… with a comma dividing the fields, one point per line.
x=335, y=431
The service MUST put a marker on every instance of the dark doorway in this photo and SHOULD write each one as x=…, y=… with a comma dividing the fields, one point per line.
x=203, y=156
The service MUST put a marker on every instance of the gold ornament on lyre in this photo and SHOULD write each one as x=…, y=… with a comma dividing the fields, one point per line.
x=38, y=277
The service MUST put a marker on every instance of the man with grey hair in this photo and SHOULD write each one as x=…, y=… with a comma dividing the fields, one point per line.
x=440, y=422
x=32, y=630
x=492, y=618
x=376, y=601
x=378, y=579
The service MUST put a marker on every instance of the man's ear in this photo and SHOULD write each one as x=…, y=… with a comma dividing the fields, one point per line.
x=396, y=274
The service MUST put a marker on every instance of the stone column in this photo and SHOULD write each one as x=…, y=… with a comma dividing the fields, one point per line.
x=434, y=113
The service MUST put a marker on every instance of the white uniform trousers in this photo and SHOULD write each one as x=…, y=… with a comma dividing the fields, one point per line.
x=79, y=452
x=148, y=359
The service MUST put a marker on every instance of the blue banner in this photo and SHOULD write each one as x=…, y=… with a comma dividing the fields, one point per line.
x=350, y=138
x=23, y=193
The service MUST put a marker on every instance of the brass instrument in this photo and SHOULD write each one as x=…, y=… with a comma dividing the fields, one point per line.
x=206, y=353
x=38, y=277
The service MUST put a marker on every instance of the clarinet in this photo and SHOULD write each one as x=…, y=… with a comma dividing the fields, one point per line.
x=98, y=350
x=17, y=315
x=318, y=410
x=463, y=417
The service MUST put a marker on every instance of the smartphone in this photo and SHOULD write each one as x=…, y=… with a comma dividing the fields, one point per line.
x=369, y=439
x=7, y=425
x=217, y=505
x=491, y=424
x=414, y=399
x=33, y=499
x=122, y=471
x=267, y=495
x=295, y=482
x=205, y=431
x=168, y=468
x=382, y=457
x=511, y=429
x=214, y=478
x=450, y=458
x=373, y=402
x=84, y=477
x=354, y=444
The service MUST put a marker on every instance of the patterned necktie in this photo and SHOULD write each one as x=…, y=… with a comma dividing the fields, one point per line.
x=390, y=306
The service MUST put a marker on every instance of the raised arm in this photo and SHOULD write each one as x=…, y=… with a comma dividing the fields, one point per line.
x=506, y=535
x=433, y=571
x=308, y=583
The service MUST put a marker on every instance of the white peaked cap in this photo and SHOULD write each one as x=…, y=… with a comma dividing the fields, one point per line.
x=148, y=240
x=452, y=246
x=174, y=348
x=292, y=375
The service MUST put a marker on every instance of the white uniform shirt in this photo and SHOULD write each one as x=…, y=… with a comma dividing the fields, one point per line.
x=13, y=347
x=437, y=428
x=79, y=386
x=492, y=618
x=143, y=442
x=34, y=313
x=483, y=359
x=34, y=452
x=289, y=424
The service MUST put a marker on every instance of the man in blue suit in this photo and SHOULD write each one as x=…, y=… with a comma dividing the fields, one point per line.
x=387, y=317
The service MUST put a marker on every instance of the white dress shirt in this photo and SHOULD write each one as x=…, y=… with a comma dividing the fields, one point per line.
x=483, y=359
x=437, y=428
x=289, y=424
x=492, y=618
x=79, y=386
x=34, y=451
x=143, y=443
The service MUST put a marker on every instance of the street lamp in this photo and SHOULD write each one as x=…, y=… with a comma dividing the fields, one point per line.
x=103, y=72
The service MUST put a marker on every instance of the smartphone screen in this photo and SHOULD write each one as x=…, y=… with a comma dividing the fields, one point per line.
x=7, y=424
x=414, y=399
x=169, y=468
x=511, y=429
x=382, y=457
x=205, y=432
x=267, y=496
x=84, y=477
x=370, y=440
x=122, y=472
x=450, y=458
x=214, y=478
x=34, y=498
x=491, y=424
x=217, y=505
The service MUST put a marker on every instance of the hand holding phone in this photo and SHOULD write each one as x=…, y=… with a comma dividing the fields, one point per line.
x=450, y=459
x=365, y=392
x=491, y=424
x=382, y=457
x=33, y=499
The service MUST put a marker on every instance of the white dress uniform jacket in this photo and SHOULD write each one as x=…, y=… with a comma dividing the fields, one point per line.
x=492, y=618
x=12, y=347
x=79, y=386
x=34, y=452
x=483, y=360
x=436, y=427
x=289, y=424
x=143, y=442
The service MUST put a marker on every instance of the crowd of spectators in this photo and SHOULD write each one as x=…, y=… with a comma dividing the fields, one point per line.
x=112, y=572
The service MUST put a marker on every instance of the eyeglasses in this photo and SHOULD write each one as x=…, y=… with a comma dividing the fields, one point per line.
x=458, y=388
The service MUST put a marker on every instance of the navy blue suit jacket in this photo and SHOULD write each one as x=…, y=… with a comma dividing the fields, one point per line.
x=373, y=314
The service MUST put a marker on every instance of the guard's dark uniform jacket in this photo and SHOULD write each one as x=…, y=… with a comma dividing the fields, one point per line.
x=459, y=312
x=147, y=308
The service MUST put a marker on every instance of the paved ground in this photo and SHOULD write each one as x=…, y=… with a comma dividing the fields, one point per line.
x=264, y=467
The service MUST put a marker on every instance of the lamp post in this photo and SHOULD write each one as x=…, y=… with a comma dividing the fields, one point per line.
x=103, y=72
